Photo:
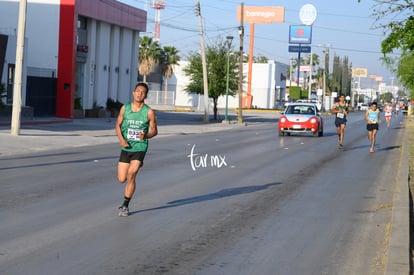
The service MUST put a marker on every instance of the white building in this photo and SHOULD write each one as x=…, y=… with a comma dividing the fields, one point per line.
x=268, y=87
x=85, y=49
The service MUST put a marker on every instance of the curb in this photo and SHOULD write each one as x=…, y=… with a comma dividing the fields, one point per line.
x=38, y=122
x=398, y=259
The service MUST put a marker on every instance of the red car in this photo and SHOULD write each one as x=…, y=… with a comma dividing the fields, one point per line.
x=301, y=118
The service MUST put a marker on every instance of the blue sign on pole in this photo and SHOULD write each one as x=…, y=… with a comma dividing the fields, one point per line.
x=299, y=48
x=300, y=34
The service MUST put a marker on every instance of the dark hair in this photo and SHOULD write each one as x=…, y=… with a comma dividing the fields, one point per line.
x=143, y=84
x=374, y=103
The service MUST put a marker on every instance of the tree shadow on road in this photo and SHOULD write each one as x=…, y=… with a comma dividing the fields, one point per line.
x=228, y=192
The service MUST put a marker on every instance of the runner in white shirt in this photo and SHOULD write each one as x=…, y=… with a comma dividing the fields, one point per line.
x=388, y=114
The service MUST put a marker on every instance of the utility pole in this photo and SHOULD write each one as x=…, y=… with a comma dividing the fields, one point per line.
x=324, y=90
x=326, y=48
x=204, y=64
x=310, y=76
x=241, y=33
x=17, y=86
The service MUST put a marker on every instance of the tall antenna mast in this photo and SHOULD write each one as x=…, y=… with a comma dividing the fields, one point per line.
x=158, y=5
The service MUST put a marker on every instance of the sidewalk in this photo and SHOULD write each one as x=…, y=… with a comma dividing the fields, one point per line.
x=42, y=134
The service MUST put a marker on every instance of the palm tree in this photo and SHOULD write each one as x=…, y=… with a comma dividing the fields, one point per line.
x=149, y=52
x=169, y=58
x=260, y=59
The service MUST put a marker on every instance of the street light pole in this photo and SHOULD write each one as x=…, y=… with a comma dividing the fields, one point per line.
x=241, y=34
x=228, y=43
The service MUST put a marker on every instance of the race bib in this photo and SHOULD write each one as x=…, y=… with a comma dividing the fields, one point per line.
x=133, y=134
x=340, y=115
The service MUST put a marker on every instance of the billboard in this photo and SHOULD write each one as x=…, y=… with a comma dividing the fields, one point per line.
x=300, y=34
x=264, y=15
x=359, y=72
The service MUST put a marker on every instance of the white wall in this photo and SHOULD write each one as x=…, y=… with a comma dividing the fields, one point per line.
x=265, y=78
x=39, y=56
x=43, y=50
x=44, y=33
x=263, y=83
x=180, y=80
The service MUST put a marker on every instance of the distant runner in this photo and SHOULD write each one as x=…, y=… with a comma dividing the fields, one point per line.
x=372, y=116
x=340, y=109
x=388, y=114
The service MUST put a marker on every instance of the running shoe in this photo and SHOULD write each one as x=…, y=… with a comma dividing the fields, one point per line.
x=371, y=150
x=341, y=146
x=123, y=211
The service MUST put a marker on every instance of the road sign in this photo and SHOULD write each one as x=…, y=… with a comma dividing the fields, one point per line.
x=302, y=49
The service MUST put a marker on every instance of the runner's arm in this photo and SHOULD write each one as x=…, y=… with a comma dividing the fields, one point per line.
x=366, y=117
x=153, y=128
x=333, y=109
x=118, y=131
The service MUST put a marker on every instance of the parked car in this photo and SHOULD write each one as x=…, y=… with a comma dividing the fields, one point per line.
x=363, y=107
x=301, y=118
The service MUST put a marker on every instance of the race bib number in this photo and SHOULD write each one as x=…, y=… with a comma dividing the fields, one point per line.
x=340, y=115
x=133, y=134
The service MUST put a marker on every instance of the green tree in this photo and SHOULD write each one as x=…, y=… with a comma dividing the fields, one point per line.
x=341, y=77
x=260, y=59
x=315, y=64
x=326, y=68
x=386, y=97
x=216, y=59
x=169, y=58
x=346, y=77
x=405, y=71
x=399, y=31
x=335, y=83
x=148, y=56
x=294, y=62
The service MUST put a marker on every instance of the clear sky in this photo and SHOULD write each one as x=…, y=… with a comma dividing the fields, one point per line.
x=347, y=26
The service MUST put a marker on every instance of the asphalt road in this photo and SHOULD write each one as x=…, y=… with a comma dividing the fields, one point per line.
x=242, y=201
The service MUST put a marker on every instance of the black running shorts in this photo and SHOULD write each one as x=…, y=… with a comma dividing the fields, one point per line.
x=128, y=156
x=372, y=127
